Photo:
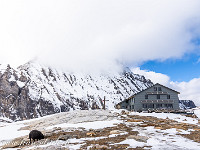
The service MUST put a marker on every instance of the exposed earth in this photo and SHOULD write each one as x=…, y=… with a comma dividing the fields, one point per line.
x=100, y=129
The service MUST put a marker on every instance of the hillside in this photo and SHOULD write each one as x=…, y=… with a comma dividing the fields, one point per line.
x=103, y=129
x=32, y=90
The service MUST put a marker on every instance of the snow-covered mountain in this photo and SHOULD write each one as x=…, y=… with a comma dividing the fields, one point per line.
x=33, y=90
x=186, y=104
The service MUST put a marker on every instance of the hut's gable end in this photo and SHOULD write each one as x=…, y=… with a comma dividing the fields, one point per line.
x=155, y=97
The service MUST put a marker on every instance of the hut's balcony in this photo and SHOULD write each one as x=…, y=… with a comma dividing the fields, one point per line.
x=157, y=101
x=156, y=93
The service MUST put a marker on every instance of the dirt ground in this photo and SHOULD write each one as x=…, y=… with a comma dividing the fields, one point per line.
x=110, y=137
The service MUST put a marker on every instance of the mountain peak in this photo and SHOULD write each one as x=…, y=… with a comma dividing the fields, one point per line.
x=34, y=90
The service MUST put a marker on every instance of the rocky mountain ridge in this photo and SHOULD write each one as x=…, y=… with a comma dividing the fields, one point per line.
x=33, y=90
x=186, y=104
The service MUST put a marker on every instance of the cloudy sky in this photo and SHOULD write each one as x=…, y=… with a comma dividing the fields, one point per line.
x=159, y=39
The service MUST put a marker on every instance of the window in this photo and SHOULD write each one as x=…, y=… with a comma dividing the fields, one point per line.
x=168, y=105
x=158, y=96
x=159, y=89
x=168, y=96
x=150, y=105
x=158, y=105
x=146, y=96
x=155, y=88
x=132, y=106
x=144, y=105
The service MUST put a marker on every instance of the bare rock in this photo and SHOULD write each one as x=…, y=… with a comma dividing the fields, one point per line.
x=123, y=112
x=91, y=133
x=102, y=147
x=138, y=138
x=57, y=128
x=64, y=137
x=115, y=132
x=143, y=125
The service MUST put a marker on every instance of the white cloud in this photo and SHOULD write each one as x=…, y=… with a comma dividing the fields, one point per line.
x=198, y=61
x=153, y=76
x=188, y=90
x=96, y=33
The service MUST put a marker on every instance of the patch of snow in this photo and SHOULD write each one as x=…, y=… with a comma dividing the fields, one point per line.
x=184, y=132
x=12, y=78
x=5, y=119
x=166, y=139
x=197, y=112
x=74, y=147
x=10, y=131
x=20, y=84
x=171, y=131
x=133, y=143
x=113, y=135
x=3, y=68
x=172, y=116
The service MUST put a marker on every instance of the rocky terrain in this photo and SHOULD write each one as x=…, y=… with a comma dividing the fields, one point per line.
x=32, y=90
x=186, y=104
x=103, y=129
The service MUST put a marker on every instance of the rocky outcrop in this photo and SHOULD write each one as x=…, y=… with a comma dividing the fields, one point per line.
x=186, y=104
x=15, y=101
x=32, y=90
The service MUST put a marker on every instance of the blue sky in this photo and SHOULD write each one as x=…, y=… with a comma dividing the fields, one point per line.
x=183, y=69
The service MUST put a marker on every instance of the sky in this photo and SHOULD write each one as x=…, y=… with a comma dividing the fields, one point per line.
x=183, y=69
x=149, y=36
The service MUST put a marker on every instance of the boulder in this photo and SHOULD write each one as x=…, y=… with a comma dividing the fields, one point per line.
x=115, y=132
x=143, y=125
x=91, y=133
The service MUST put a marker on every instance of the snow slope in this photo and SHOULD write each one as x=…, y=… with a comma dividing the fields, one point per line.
x=34, y=90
